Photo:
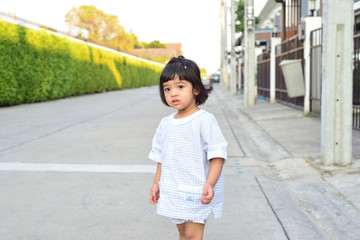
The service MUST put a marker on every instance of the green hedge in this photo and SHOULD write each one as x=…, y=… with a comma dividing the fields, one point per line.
x=36, y=66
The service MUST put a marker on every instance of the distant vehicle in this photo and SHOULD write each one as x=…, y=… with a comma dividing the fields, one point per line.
x=206, y=81
x=215, y=77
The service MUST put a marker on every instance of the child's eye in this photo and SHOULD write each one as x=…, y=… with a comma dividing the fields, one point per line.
x=166, y=89
x=180, y=86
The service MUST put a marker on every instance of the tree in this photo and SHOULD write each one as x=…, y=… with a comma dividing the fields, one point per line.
x=104, y=29
x=126, y=41
x=240, y=11
x=101, y=28
x=155, y=44
x=85, y=17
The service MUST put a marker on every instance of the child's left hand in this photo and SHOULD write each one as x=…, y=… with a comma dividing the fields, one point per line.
x=208, y=193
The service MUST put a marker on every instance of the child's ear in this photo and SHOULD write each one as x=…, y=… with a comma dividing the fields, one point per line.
x=196, y=91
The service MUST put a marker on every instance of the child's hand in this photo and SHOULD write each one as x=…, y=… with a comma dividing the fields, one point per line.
x=208, y=193
x=154, y=193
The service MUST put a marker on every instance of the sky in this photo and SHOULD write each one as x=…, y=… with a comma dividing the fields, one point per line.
x=194, y=23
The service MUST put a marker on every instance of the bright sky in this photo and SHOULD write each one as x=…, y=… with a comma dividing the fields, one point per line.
x=194, y=23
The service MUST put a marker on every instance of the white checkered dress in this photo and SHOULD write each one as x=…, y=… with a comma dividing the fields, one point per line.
x=184, y=147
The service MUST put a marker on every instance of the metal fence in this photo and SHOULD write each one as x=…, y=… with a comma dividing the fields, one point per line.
x=316, y=75
x=290, y=49
x=263, y=74
x=356, y=79
x=293, y=13
x=315, y=71
x=293, y=49
x=242, y=75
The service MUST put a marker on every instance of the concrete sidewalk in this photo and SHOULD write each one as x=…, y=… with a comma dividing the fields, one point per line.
x=77, y=168
x=310, y=200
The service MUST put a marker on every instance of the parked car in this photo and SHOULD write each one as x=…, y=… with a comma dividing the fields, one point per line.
x=215, y=77
x=206, y=81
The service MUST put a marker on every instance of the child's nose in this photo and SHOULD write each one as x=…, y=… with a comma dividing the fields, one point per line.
x=174, y=92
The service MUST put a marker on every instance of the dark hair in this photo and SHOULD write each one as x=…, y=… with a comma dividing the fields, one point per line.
x=187, y=70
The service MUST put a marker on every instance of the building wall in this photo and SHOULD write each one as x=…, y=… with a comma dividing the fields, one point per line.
x=263, y=36
x=268, y=13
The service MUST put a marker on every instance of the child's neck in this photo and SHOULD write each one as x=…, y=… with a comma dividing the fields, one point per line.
x=186, y=112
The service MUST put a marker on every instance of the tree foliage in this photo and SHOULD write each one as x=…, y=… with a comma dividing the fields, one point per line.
x=99, y=27
x=155, y=44
x=240, y=16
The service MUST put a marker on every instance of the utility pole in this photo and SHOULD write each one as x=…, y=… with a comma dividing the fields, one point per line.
x=336, y=99
x=233, y=54
x=249, y=64
x=224, y=80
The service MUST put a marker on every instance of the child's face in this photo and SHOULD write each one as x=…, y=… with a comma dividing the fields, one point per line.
x=180, y=94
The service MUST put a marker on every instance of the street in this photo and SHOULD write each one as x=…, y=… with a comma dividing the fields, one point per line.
x=77, y=168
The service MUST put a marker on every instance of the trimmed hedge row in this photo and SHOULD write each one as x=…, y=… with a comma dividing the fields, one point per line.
x=36, y=66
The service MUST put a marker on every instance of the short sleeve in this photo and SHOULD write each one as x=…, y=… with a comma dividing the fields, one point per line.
x=155, y=153
x=215, y=144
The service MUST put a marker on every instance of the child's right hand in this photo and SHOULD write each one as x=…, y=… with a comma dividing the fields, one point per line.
x=154, y=193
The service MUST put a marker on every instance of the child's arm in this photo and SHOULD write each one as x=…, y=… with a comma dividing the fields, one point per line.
x=216, y=165
x=155, y=190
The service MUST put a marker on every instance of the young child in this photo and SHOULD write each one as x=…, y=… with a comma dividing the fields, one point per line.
x=190, y=151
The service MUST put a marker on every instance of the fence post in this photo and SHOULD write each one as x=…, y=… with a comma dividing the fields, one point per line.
x=233, y=89
x=240, y=59
x=274, y=42
x=336, y=101
x=311, y=23
x=249, y=63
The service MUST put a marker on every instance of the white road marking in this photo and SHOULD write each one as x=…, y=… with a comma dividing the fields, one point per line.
x=78, y=168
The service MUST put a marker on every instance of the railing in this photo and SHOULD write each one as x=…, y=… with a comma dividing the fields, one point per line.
x=263, y=76
x=315, y=71
x=242, y=75
x=293, y=13
x=289, y=49
x=316, y=75
x=356, y=81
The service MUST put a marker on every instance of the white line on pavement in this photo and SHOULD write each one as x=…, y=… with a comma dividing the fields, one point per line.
x=79, y=168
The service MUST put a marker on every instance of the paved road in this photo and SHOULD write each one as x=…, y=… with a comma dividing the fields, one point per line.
x=77, y=168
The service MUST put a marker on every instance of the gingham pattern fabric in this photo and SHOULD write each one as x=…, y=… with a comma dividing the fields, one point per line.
x=184, y=147
x=181, y=221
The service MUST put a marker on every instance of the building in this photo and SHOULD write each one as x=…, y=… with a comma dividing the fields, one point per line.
x=159, y=54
